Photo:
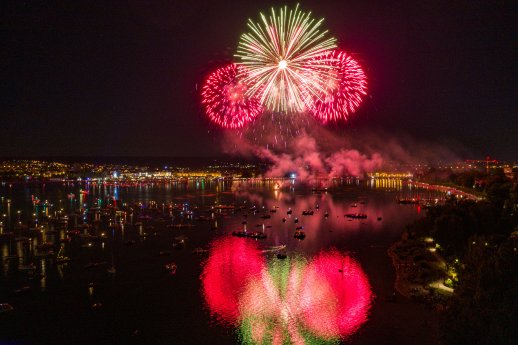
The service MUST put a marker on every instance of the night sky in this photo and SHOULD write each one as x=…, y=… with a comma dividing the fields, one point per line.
x=110, y=78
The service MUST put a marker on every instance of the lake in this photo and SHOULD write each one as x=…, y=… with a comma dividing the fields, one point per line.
x=180, y=277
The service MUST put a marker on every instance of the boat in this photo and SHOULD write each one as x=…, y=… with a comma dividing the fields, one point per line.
x=23, y=289
x=239, y=233
x=171, y=267
x=94, y=264
x=178, y=244
x=199, y=250
x=257, y=235
x=299, y=235
x=319, y=190
x=356, y=215
x=180, y=226
x=111, y=270
x=276, y=248
x=299, y=228
x=290, y=211
x=60, y=258
x=5, y=308
x=407, y=201
x=307, y=212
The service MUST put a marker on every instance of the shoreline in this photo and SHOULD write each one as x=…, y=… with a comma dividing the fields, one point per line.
x=419, y=271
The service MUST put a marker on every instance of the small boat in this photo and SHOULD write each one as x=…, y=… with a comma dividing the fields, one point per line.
x=61, y=259
x=239, y=233
x=199, y=250
x=23, y=289
x=94, y=264
x=276, y=248
x=171, y=267
x=257, y=235
x=290, y=211
x=299, y=228
x=356, y=215
x=5, y=308
x=307, y=212
x=178, y=244
x=319, y=190
x=299, y=235
x=180, y=226
x=296, y=220
x=97, y=305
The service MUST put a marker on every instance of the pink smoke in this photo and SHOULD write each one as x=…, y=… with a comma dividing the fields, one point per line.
x=305, y=159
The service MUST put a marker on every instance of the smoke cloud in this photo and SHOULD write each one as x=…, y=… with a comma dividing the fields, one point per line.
x=314, y=152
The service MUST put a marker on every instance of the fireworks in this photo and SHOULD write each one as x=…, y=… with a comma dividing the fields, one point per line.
x=276, y=53
x=225, y=100
x=344, y=89
x=288, y=65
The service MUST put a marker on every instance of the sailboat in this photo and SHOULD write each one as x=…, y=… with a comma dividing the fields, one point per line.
x=61, y=259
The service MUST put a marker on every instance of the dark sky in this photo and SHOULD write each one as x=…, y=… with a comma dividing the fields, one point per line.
x=114, y=78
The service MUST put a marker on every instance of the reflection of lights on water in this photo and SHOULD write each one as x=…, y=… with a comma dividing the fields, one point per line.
x=294, y=300
x=231, y=263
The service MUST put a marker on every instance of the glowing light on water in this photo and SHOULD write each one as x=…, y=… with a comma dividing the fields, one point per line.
x=297, y=300
x=232, y=262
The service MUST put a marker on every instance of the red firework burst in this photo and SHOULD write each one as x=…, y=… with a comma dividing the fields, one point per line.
x=344, y=91
x=224, y=98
